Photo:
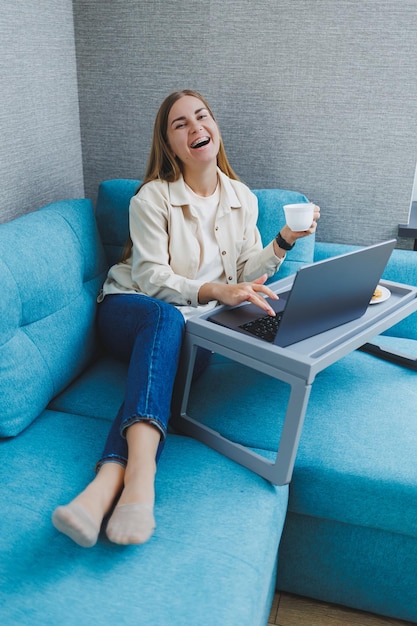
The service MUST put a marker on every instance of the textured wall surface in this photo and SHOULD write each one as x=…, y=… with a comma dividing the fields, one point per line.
x=313, y=95
x=40, y=147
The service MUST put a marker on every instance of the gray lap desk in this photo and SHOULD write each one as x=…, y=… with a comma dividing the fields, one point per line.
x=297, y=365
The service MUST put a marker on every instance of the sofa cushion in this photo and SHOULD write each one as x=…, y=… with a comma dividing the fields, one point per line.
x=211, y=560
x=51, y=268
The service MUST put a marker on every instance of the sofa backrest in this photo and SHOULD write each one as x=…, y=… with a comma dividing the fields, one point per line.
x=52, y=266
x=112, y=212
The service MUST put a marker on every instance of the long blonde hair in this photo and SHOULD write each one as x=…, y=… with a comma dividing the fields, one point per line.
x=162, y=164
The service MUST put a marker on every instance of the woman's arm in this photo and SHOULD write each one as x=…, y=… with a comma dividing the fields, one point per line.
x=164, y=254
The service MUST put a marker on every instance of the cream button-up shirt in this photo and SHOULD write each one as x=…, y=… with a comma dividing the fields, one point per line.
x=166, y=250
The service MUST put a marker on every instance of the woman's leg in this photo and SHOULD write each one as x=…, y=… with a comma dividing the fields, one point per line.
x=149, y=333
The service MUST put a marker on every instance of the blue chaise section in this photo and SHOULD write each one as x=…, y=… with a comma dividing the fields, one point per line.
x=350, y=535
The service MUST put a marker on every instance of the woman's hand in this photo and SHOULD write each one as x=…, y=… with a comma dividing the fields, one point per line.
x=291, y=236
x=236, y=294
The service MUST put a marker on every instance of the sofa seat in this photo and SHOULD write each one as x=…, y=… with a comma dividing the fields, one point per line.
x=212, y=558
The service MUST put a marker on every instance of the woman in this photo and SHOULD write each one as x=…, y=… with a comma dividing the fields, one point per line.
x=193, y=244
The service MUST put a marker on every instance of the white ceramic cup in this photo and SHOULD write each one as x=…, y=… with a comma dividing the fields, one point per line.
x=299, y=216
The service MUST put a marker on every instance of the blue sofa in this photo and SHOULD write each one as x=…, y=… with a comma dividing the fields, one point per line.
x=347, y=533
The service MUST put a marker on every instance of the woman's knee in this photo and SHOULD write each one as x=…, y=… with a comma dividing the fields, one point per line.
x=171, y=316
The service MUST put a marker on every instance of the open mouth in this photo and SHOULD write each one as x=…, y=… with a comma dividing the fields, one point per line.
x=200, y=142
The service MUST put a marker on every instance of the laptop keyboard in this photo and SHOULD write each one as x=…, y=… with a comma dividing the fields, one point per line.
x=264, y=327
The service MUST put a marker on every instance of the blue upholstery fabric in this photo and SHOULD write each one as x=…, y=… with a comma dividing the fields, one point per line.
x=112, y=211
x=357, y=566
x=213, y=556
x=51, y=267
x=101, y=385
x=350, y=534
x=211, y=560
x=351, y=530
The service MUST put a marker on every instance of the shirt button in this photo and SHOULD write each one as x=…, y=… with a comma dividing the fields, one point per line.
x=189, y=302
x=230, y=278
x=223, y=252
x=217, y=228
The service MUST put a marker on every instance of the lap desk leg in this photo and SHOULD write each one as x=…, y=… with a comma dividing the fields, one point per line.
x=278, y=472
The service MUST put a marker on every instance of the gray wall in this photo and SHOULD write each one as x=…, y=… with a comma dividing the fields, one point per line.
x=314, y=95
x=40, y=147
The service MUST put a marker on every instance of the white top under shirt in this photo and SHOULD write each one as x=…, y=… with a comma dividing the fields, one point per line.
x=211, y=267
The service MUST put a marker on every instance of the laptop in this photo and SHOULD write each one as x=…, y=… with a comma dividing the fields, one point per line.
x=324, y=295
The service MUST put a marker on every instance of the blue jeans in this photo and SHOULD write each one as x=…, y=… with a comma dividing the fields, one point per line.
x=146, y=333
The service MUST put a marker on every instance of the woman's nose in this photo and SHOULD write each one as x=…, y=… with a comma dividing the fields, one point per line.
x=196, y=126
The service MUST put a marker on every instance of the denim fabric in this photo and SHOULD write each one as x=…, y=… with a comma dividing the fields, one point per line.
x=146, y=333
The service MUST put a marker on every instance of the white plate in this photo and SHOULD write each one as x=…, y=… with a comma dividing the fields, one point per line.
x=384, y=296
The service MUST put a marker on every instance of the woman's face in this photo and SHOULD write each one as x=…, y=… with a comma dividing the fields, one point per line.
x=192, y=133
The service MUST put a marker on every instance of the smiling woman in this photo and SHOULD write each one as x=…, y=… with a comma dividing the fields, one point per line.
x=194, y=138
x=193, y=244
x=162, y=162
